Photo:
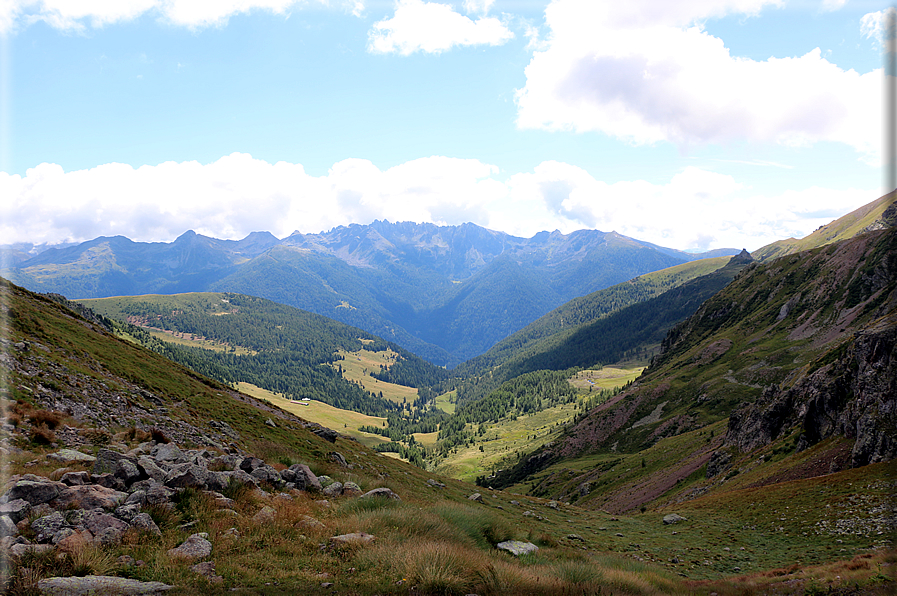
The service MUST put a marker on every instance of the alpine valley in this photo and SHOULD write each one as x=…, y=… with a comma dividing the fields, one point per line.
x=406, y=408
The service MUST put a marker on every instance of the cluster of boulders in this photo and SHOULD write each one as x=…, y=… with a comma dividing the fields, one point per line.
x=99, y=506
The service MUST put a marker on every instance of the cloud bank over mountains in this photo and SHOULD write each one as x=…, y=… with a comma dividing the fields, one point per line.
x=238, y=194
x=644, y=72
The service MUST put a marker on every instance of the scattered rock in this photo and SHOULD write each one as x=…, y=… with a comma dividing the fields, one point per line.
x=21, y=549
x=187, y=476
x=325, y=433
x=352, y=539
x=517, y=547
x=265, y=515
x=16, y=510
x=76, y=478
x=434, y=483
x=673, y=518
x=99, y=584
x=476, y=497
x=143, y=521
x=89, y=496
x=334, y=490
x=37, y=491
x=381, y=493
x=107, y=460
x=167, y=452
x=195, y=547
x=71, y=455
x=338, y=458
x=7, y=527
x=46, y=527
x=302, y=476
x=350, y=489
x=308, y=522
x=207, y=570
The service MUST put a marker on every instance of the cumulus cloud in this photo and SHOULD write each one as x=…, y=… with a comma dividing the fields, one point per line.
x=78, y=15
x=238, y=194
x=433, y=28
x=647, y=76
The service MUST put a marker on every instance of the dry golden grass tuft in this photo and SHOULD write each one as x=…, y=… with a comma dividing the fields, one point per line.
x=440, y=567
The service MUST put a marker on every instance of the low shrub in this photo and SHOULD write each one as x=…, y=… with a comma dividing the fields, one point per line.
x=52, y=420
x=41, y=435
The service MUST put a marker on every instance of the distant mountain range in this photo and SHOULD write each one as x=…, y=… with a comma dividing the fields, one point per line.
x=447, y=293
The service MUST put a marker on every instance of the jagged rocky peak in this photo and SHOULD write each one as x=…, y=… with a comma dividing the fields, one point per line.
x=743, y=257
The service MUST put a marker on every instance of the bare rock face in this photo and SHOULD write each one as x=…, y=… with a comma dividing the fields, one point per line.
x=854, y=395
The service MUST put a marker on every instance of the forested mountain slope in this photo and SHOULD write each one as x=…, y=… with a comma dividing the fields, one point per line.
x=279, y=348
x=604, y=340
x=588, y=309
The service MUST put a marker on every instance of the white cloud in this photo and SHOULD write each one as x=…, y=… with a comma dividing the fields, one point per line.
x=650, y=76
x=238, y=194
x=832, y=5
x=478, y=6
x=433, y=28
x=695, y=209
x=879, y=25
x=77, y=15
x=234, y=196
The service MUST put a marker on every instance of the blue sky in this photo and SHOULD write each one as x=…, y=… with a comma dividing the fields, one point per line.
x=693, y=124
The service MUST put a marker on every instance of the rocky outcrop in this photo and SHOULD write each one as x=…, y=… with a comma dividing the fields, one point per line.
x=852, y=393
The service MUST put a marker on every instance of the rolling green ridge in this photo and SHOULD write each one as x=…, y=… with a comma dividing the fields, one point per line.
x=878, y=214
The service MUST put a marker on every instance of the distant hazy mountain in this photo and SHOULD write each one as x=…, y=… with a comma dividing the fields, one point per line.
x=445, y=292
